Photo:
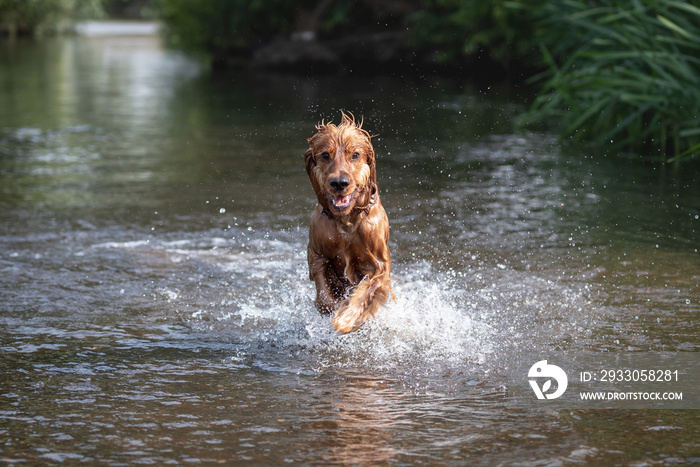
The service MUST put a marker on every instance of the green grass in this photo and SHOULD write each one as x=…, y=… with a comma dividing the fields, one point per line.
x=624, y=75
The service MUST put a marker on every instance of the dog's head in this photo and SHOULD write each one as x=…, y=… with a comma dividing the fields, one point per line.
x=341, y=165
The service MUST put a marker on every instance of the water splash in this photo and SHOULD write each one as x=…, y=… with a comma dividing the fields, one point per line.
x=258, y=296
x=424, y=329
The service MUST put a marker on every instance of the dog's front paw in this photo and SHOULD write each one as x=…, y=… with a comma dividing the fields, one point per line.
x=349, y=317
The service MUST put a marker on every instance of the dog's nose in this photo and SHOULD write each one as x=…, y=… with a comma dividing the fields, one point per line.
x=339, y=183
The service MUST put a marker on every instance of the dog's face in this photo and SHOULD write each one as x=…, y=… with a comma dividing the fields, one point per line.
x=340, y=163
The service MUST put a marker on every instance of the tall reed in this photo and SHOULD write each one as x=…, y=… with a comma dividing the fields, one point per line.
x=623, y=74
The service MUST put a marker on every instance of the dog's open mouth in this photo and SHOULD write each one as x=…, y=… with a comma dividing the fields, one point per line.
x=342, y=202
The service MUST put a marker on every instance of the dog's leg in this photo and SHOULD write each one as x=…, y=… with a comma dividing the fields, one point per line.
x=368, y=296
x=327, y=297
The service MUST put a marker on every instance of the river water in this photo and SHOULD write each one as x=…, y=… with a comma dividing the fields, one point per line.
x=155, y=302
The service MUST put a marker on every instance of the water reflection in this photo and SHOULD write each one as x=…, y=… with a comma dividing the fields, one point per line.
x=353, y=421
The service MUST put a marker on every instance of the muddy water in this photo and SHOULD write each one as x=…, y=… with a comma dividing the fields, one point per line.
x=155, y=303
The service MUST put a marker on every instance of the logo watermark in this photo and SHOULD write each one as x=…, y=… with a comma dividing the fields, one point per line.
x=602, y=380
x=550, y=373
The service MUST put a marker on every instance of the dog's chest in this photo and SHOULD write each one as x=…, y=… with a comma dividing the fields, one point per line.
x=342, y=250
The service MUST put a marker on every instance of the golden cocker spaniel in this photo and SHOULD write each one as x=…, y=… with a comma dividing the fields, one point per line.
x=348, y=253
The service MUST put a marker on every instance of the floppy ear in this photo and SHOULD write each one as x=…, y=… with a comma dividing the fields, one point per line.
x=370, y=192
x=372, y=171
x=371, y=158
x=310, y=166
x=309, y=161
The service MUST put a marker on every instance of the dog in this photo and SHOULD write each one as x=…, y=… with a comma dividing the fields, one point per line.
x=348, y=251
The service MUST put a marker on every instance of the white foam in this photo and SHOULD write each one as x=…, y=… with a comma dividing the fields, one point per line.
x=424, y=328
x=122, y=245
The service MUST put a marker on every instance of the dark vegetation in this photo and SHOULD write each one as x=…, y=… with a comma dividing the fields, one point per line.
x=40, y=17
x=337, y=35
x=619, y=74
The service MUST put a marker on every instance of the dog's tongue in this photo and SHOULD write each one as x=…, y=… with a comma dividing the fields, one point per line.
x=341, y=200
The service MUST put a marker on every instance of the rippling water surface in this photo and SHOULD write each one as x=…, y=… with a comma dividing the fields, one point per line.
x=155, y=304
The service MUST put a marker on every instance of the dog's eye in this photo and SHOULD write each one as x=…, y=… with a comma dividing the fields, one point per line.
x=355, y=155
x=325, y=156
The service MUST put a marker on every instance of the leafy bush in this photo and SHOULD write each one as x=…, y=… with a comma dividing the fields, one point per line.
x=624, y=74
x=501, y=29
x=440, y=31
x=40, y=16
x=221, y=27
